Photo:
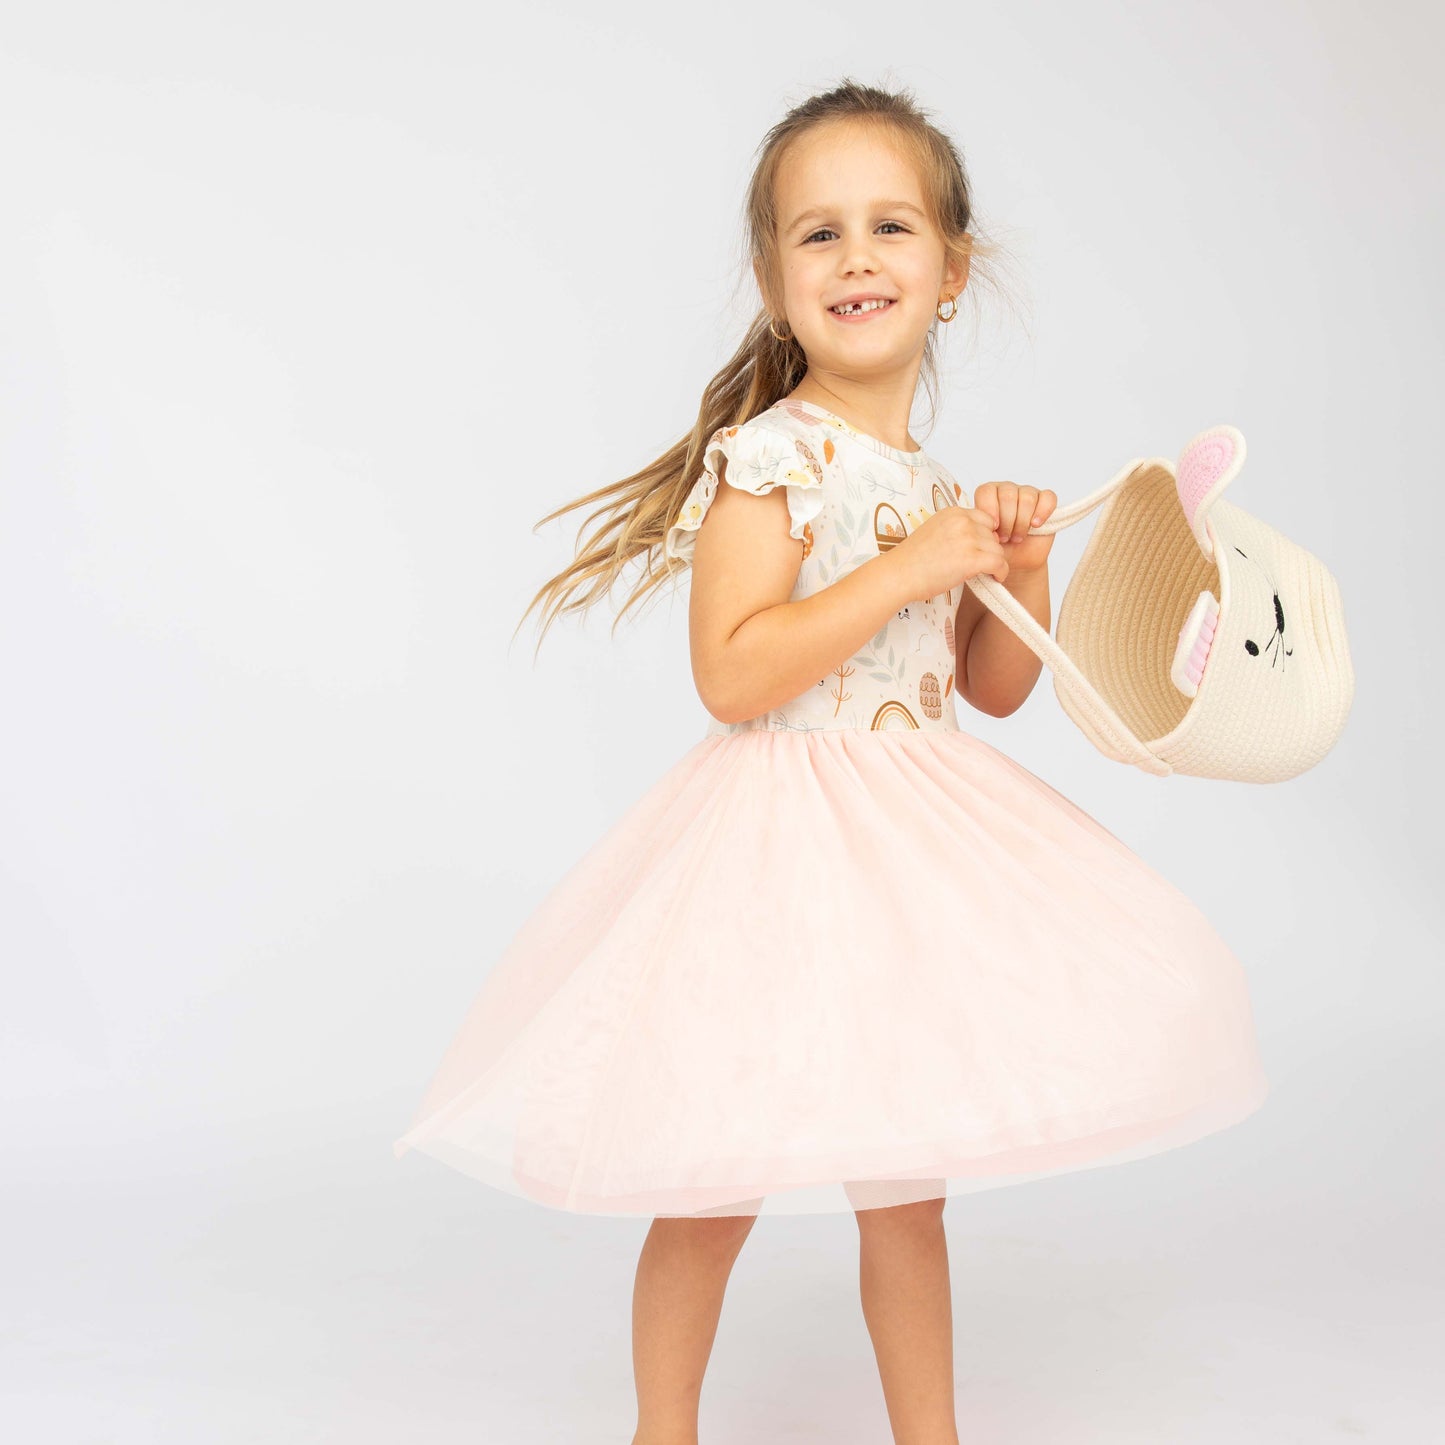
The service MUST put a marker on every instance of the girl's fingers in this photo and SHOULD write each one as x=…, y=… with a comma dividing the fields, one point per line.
x=1008, y=517
x=1012, y=510
x=1044, y=505
x=1028, y=509
x=1020, y=515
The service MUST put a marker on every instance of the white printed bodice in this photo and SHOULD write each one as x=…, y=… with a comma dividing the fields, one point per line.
x=850, y=498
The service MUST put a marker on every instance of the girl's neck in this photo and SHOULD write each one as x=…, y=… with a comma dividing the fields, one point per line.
x=864, y=412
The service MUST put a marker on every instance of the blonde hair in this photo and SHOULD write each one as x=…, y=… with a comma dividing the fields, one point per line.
x=639, y=509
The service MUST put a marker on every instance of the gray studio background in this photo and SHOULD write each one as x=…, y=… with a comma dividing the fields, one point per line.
x=308, y=314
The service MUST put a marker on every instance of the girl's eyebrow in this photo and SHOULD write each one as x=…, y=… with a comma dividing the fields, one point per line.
x=877, y=206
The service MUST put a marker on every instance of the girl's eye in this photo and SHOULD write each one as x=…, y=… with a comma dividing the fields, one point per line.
x=827, y=231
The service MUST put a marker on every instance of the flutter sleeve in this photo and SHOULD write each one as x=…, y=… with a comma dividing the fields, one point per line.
x=758, y=459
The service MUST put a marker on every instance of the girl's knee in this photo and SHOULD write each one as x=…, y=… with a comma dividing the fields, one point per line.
x=925, y=1212
x=896, y=1198
x=718, y=1231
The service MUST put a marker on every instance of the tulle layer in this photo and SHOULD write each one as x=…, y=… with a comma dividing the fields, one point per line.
x=811, y=972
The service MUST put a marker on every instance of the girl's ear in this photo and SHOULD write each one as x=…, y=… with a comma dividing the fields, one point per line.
x=772, y=296
x=956, y=277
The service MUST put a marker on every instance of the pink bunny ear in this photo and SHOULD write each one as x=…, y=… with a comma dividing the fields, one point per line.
x=1196, y=638
x=1206, y=466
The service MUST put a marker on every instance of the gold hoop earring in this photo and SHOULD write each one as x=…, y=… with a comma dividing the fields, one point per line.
x=938, y=310
x=776, y=337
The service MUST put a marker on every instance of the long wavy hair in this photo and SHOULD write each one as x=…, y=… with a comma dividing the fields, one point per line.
x=637, y=511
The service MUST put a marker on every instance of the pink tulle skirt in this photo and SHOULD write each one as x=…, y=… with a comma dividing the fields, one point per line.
x=811, y=972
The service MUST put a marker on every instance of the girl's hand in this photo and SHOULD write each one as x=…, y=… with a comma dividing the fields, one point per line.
x=1013, y=510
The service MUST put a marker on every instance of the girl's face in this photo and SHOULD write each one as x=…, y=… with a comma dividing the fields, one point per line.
x=852, y=221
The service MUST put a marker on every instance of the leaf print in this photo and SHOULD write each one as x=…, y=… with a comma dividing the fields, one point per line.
x=887, y=484
x=881, y=676
x=891, y=660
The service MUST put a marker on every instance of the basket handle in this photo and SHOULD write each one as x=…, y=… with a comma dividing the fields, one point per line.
x=1017, y=618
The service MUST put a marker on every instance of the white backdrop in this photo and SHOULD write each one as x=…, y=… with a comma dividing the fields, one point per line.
x=308, y=313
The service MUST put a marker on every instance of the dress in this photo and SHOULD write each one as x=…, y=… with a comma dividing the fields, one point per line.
x=845, y=954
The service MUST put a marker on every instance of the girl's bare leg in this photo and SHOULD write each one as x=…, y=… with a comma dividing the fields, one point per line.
x=682, y=1274
x=907, y=1304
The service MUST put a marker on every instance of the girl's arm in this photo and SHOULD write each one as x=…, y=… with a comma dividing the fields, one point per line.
x=999, y=670
x=752, y=649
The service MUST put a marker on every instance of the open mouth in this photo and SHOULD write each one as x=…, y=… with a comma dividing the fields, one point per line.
x=861, y=310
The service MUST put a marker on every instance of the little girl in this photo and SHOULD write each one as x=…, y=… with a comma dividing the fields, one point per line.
x=843, y=955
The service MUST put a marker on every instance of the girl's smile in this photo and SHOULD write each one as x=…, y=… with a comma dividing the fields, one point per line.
x=869, y=311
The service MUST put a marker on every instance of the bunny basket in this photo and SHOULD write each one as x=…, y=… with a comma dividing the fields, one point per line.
x=1192, y=637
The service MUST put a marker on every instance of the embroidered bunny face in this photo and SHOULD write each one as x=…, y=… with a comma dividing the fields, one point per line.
x=1256, y=681
x=1194, y=637
x=1268, y=651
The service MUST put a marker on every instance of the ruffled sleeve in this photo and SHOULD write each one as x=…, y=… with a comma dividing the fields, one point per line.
x=758, y=459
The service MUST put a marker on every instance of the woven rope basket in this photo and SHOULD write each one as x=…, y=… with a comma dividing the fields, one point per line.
x=1192, y=637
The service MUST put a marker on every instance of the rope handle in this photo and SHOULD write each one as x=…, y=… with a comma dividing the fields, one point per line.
x=1017, y=618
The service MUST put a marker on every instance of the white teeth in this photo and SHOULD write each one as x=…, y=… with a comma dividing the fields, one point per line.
x=859, y=307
